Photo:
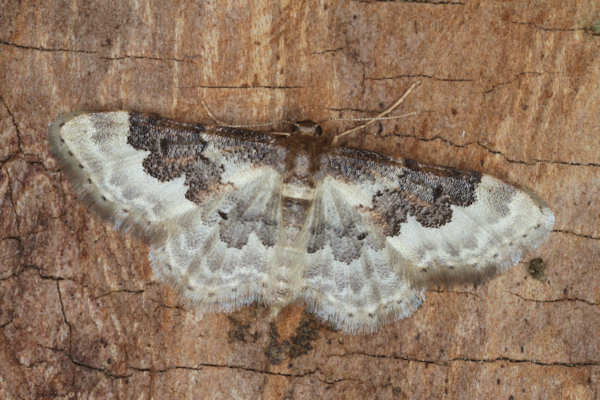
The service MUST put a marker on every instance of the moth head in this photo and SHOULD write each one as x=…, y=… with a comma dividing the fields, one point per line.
x=307, y=128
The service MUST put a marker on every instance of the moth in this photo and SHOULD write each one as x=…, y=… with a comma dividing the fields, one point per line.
x=234, y=216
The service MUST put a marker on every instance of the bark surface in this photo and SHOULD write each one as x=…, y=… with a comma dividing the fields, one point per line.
x=508, y=88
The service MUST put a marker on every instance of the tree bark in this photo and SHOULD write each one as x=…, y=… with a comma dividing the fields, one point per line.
x=508, y=88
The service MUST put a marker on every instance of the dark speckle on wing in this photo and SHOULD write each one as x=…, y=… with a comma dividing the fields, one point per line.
x=179, y=149
x=426, y=193
x=175, y=149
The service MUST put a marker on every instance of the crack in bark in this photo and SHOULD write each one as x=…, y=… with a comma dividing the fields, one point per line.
x=547, y=29
x=186, y=59
x=201, y=366
x=524, y=360
x=9, y=195
x=169, y=307
x=9, y=277
x=69, y=327
x=338, y=380
x=426, y=76
x=430, y=2
x=327, y=51
x=20, y=251
x=559, y=300
x=104, y=371
x=517, y=77
x=21, y=270
x=69, y=353
x=445, y=363
x=459, y=292
x=34, y=162
x=582, y=235
x=97, y=369
x=45, y=49
x=111, y=292
x=46, y=277
x=43, y=276
x=240, y=87
x=536, y=160
x=355, y=110
x=17, y=130
x=4, y=325
x=49, y=217
x=392, y=357
x=492, y=151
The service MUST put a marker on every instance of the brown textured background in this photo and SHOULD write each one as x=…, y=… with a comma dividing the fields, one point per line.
x=509, y=88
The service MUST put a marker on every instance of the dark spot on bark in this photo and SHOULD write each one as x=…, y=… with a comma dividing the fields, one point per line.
x=306, y=333
x=536, y=268
x=277, y=349
x=240, y=331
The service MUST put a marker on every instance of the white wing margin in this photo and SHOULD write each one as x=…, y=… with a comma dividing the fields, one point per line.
x=215, y=250
x=353, y=276
x=481, y=241
x=108, y=174
x=384, y=230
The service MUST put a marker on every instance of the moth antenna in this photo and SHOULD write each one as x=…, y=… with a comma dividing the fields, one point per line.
x=210, y=114
x=379, y=117
x=222, y=123
x=370, y=118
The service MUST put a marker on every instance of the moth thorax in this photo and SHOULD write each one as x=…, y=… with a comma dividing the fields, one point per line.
x=307, y=128
x=302, y=165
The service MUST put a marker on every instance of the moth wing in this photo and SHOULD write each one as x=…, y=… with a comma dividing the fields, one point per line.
x=351, y=276
x=209, y=212
x=384, y=229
